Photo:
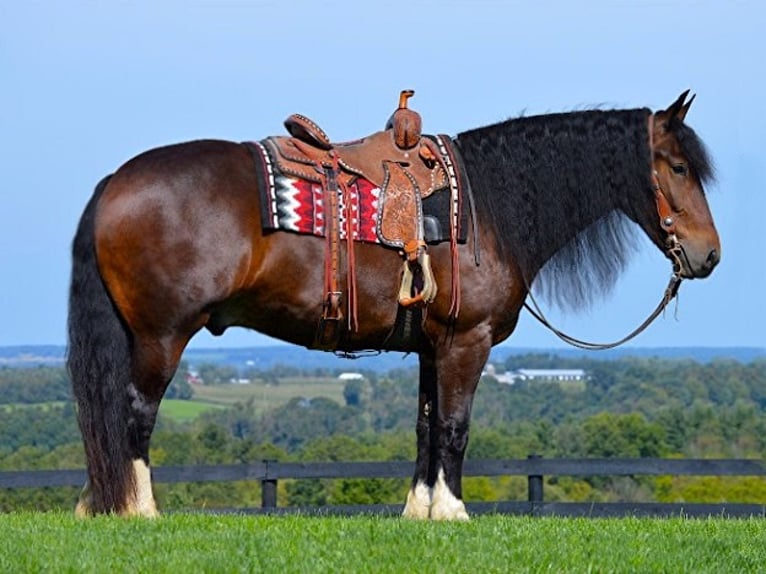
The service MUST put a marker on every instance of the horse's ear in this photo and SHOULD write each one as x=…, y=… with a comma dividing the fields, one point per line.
x=676, y=109
x=681, y=115
x=677, y=106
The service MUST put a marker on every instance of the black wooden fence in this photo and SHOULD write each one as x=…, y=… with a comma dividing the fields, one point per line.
x=535, y=468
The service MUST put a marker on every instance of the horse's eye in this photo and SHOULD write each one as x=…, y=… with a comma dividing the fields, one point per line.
x=680, y=169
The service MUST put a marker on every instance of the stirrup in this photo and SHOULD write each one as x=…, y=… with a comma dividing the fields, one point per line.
x=428, y=293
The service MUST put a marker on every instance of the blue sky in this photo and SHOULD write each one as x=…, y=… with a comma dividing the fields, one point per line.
x=87, y=85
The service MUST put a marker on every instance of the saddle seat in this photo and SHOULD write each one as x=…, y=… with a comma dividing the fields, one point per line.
x=309, y=152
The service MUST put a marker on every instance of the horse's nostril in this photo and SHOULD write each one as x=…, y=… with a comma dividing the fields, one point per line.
x=713, y=258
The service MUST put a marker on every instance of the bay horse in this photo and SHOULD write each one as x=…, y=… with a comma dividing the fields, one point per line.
x=173, y=242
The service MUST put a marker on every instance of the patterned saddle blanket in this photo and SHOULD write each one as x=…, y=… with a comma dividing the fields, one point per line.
x=297, y=201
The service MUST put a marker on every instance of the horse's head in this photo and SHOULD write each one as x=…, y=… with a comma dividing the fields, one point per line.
x=685, y=228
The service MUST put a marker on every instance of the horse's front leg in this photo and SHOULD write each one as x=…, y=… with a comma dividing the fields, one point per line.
x=418, y=505
x=458, y=368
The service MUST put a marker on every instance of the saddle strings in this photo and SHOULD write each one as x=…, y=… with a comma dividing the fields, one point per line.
x=353, y=321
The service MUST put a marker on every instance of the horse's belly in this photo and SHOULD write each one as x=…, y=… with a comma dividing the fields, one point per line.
x=286, y=297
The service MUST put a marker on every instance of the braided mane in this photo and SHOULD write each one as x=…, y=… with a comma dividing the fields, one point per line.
x=558, y=192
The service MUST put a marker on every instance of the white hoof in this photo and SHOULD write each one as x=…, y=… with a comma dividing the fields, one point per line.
x=142, y=503
x=445, y=505
x=418, y=504
x=84, y=503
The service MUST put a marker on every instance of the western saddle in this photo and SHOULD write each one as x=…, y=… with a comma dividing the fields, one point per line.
x=403, y=164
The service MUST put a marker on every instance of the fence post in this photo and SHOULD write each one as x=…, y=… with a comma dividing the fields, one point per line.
x=268, y=488
x=535, y=484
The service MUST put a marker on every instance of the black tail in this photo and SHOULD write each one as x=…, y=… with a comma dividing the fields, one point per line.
x=99, y=367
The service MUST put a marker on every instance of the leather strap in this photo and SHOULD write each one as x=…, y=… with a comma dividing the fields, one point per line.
x=331, y=310
x=665, y=211
x=329, y=335
x=457, y=175
x=670, y=292
x=351, y=213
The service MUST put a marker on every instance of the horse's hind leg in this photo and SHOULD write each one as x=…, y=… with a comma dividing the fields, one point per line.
x=99, y=361
x=153, y=366
x=154, y=363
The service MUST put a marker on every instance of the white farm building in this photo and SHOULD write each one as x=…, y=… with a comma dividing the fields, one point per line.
x=541, y=375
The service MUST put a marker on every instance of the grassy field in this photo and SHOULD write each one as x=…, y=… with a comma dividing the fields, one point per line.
x=265, y=396
x=201, y=543
x=184, y=410
x=8, y=407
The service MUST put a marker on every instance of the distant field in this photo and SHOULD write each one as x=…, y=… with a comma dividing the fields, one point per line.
x=58, y=542
x=8, y=407
x=184, y=410
x=264, y=396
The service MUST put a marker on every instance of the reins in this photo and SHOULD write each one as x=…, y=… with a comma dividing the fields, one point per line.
x=670, y=292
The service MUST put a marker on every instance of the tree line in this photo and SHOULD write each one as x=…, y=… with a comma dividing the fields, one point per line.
x=624, y=408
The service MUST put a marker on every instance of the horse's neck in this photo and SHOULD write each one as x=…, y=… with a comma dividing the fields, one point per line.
x=552, y=193
x=564, y=242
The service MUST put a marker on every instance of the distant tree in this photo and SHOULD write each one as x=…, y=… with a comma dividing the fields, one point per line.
x=281, y=370
x=239, y=420
x=179, y=388
x=45, y=427
x=301, y=420
x=675, y=426
x=306, y=492
x=212, y=374
x=213, y=442
x=270, y=377
x=610, y=435
x=34, y=385
x=356, y=393
x=489, y=443
x=393, y=401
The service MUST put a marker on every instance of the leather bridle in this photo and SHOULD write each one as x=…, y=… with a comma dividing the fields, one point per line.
x=673, y=246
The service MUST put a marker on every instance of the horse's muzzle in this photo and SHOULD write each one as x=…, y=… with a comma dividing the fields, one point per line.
x=697, y=263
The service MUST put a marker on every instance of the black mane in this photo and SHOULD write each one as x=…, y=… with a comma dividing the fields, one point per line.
x=559, y=192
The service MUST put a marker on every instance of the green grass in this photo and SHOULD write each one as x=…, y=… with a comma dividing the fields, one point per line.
x=9, y=407
x=58, y=542
x=184, y=410
x=266, y=396
x=263, y=395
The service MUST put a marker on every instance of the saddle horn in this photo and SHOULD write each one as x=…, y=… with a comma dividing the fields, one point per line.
x=405, y=123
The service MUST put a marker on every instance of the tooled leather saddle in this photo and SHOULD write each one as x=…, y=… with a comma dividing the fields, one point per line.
x=403, y=167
